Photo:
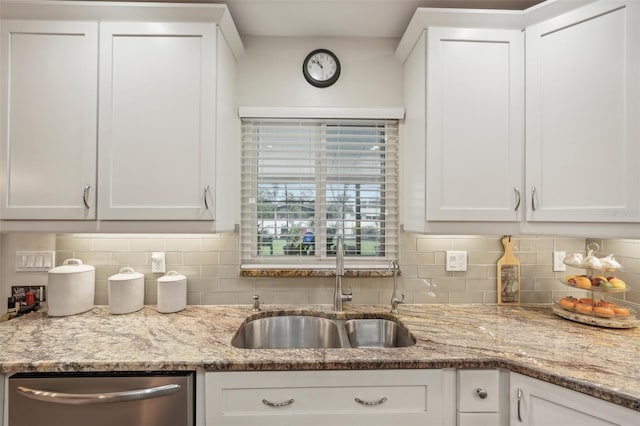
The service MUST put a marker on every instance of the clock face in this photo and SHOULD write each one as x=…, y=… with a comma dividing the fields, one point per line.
x=321, y=68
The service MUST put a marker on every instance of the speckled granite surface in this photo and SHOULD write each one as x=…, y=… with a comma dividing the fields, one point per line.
x=530, y=340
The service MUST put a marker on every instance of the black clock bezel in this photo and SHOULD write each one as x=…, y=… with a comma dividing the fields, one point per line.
x=321, y=83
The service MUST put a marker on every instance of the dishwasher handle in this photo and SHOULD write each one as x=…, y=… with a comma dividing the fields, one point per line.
x=97, y=398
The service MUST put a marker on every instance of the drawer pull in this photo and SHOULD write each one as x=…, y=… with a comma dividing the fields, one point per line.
x=278, y=404
x=378, y=402
x=481, y=393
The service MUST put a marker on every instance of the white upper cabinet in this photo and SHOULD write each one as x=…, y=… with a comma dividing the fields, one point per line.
x=157, y=121
x=462, y=150
x=474, y=124
x=583, y=115
x=49, y=110
x=470, y=164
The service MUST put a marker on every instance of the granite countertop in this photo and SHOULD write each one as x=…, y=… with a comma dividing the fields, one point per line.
x=529, y=340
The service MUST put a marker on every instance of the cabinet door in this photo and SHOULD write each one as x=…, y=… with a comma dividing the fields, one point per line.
x=474, y=124
x=49, y=107
x=583, y=95
x=157, y=121
x=545, y=404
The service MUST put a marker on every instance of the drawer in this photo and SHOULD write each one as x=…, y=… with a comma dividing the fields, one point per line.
x=319, y=399
x=478, y=419
x=354, y=398
x=472, y=385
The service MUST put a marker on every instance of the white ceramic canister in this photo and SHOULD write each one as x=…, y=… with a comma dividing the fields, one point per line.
x=71, y=288
x=126, y=291
x=172, y=292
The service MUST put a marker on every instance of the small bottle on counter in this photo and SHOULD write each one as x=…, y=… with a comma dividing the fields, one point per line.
x=30, y=297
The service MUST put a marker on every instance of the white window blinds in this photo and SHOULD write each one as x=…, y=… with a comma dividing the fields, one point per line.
x=304, y=182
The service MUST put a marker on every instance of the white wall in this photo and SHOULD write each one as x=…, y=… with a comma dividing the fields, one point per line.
x=9, y=245
x=270, y=73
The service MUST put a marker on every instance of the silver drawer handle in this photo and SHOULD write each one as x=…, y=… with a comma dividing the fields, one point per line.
x=517, y=191
x=97, y=398
x=278, y=404
x=378, y=402
x=482, y=393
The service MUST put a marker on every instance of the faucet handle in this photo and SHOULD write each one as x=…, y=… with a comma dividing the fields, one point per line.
x=256, y=303
x=350, y=293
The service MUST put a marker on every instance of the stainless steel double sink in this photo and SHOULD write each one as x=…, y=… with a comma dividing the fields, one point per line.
x=308, y=331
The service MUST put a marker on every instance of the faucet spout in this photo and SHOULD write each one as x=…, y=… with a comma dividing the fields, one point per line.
x=338, y=296
x=394, y=297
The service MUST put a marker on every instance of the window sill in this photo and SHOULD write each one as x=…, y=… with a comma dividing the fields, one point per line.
x=298, y=272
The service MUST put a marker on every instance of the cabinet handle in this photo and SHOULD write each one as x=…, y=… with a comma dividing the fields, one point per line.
x=97, y=398
x=85, y=196
x=378, y=402
x=278, y=404
x=533, y=198
x=206, y=203
x=519, y=400
x=482, y=393
x=517, y=198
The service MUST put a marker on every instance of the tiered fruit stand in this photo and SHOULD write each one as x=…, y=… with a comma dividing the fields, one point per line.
x=623, y=317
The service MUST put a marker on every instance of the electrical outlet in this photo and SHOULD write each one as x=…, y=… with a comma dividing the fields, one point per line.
x=558, y=264
x=158, y=262
x=456, y=261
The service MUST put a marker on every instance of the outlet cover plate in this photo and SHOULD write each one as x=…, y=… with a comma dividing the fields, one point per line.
x=456, y=261
x=558, y=264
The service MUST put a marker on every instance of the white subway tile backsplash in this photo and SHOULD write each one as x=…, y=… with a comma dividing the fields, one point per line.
x=211, y=263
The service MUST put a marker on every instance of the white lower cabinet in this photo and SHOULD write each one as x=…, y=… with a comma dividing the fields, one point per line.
x=479, y=398
x=3, y=421
x=361, y=397
x=538, y=403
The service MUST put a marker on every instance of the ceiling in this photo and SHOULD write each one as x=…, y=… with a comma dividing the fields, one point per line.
x=338, y=18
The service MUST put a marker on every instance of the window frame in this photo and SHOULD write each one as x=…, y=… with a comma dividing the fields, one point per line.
x=322, y=258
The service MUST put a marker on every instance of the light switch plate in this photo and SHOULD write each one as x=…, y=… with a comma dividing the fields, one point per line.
x=456, y=261
x=558, y=264
x=35, y=261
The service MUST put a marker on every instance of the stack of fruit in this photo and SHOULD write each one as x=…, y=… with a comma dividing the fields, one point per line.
x=599, y=281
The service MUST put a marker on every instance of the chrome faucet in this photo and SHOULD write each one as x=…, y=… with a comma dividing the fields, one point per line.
x=394, y=297
x=338, y=296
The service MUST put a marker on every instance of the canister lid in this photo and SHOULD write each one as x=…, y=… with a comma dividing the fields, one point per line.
x=172, y=276
x=126, y=274
x=71, y=266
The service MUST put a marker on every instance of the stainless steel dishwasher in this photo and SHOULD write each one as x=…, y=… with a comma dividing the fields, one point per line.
x=101, y=399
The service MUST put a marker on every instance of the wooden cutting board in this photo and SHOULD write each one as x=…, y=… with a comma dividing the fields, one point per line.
x=508, y=275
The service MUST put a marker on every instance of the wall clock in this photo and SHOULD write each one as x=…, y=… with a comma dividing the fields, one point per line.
x=321, y=68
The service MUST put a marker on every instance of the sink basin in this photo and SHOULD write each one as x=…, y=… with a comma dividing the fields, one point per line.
x=307, y=331
x=291, y=331
x=375, y=333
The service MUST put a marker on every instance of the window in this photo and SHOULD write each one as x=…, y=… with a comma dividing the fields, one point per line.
x=305, y=182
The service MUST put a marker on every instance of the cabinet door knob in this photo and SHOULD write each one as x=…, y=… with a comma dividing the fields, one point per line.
x=517, y=191
x=481, y=393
